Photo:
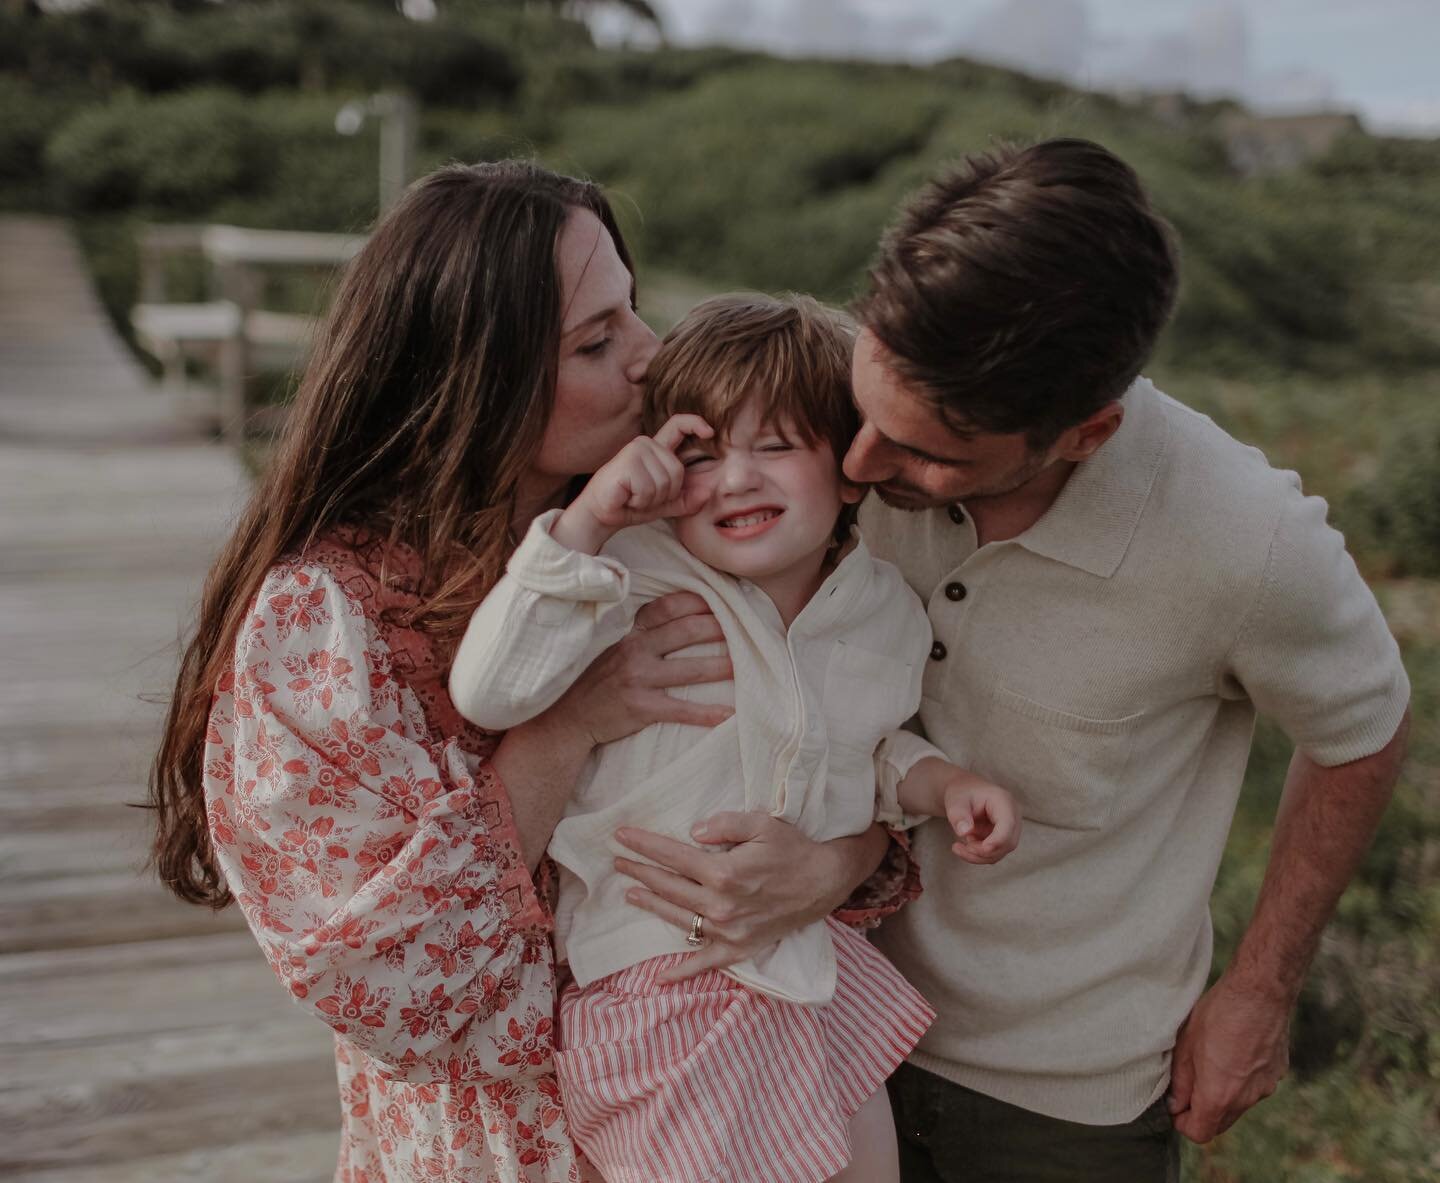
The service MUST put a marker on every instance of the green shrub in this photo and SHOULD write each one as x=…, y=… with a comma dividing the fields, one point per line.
x=28, y=118
x=1362, y=1104
x=254, y=47
x=739, y=199
x=1358, y=155
x=180, y=153
x=1398, y=510
x=593, y=76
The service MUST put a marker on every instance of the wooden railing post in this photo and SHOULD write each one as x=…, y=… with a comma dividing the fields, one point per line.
x=241, y=284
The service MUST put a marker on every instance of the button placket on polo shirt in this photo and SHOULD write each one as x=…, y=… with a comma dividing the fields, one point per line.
x=947, y=606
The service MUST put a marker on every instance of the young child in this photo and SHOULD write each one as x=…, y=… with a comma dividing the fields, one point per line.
x=771, y=1070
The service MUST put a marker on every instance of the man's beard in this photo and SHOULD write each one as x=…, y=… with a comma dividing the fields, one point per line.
x=906, y=498
x=911, y=499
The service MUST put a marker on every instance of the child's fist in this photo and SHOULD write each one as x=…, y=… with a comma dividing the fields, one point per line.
x=984, y=817
x=643, y=481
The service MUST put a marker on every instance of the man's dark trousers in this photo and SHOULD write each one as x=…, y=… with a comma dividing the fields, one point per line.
x=950, y=1134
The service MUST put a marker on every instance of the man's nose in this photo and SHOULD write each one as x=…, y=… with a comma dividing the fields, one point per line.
x=862, y=463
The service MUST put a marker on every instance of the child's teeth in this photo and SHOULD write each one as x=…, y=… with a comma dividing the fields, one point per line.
x=750, y=519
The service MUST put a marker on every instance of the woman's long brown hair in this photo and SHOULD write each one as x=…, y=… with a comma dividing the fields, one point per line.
x=422, y=407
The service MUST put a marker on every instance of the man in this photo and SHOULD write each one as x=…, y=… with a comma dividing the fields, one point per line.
x=1115, y=587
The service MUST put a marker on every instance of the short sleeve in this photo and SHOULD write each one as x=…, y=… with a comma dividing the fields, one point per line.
x=1314, y=652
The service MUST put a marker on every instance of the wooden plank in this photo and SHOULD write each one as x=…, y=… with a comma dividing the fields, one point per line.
x=26, y=808
x=171, y=952
x=100, y=909
x=141, y=1038
x=64, y=1008
x=33, y=759
x=121, y=846
x=236, y=244
x=110, y=1123
x=292, y=1158
x=293, y=1035
x=216, y=321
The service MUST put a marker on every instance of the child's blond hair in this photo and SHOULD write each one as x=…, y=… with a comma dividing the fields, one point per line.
x=791, y=352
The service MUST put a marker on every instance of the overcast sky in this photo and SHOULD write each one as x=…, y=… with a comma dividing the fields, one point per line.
x=1378, y=57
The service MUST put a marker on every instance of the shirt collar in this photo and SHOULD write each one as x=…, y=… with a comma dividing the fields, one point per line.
x=1092, y=521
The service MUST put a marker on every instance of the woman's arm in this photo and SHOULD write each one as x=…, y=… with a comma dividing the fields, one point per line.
x=380, y=874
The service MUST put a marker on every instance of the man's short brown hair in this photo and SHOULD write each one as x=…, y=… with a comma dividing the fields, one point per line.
x=1024, y=290
x=791, y=352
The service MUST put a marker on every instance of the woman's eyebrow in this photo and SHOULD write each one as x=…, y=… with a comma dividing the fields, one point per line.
x=603, y=314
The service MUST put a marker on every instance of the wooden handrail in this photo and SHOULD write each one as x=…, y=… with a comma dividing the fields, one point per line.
x=236, y=244
x=233, y=327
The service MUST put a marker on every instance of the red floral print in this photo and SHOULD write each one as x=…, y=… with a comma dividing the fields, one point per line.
x=317, y=677
x=370, y=846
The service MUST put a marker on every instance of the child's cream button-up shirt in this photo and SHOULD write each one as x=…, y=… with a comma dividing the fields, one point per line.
x=814, y=740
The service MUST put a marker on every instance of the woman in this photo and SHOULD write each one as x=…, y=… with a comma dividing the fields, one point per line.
x=482, y=354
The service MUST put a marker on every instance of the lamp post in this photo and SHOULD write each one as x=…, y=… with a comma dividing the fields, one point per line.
x=399, y=122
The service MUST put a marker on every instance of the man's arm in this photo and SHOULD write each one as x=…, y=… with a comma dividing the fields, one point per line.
x=1233, y=1048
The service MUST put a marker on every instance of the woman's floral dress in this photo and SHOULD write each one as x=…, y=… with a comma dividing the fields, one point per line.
x=371, y=848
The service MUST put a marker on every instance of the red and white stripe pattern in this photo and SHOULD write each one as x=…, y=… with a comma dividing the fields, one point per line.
x=705, y=1081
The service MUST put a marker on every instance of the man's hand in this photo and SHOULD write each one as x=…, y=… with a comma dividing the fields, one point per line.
x=1234, y=1048
x=766, y=880
x=1230, y=1053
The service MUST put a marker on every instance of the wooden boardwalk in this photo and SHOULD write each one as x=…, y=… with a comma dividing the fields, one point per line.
x=140, y=1039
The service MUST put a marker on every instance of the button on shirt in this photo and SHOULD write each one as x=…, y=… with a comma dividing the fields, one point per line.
x=1106, y=667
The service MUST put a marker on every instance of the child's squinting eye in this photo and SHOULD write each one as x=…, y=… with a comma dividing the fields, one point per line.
x=777, y=446
x=692, y=461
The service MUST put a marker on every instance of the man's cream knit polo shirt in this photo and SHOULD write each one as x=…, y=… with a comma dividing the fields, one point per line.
x=1106, y=667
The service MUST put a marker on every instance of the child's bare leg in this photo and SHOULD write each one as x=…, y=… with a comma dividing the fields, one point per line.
x=875, y=1157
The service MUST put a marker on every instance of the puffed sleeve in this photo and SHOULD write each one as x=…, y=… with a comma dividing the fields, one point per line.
x=892, y=885
x=554, y=611
x=380, y=871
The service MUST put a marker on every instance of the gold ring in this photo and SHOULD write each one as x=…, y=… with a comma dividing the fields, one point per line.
x=696, y=939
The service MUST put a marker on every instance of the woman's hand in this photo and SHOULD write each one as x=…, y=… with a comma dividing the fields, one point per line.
x=625, y=687
x=766, y=881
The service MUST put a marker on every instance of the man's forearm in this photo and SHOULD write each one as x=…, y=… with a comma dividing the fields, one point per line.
x=1325, y=824
x=857, y=858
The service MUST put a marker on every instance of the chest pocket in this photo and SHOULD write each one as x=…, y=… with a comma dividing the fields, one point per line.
x=867, y=695
x=1064, y=769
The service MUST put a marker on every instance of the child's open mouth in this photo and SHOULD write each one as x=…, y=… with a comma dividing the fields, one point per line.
x=748, y=524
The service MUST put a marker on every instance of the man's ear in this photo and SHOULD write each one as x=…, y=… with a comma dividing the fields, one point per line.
x=1084, y=439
